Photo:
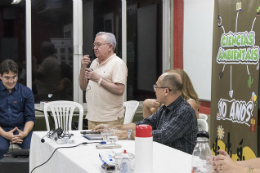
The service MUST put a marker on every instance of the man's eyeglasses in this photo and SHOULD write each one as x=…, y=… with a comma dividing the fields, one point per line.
x=15, y=78
x=97, y=45
x=155, y=87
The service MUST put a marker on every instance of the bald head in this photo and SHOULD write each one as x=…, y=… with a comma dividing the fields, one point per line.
x=172, y=80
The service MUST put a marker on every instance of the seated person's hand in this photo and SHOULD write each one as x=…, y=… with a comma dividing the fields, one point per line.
x=155, y=104
x=223, y=152
x=100, y=126
x=122, y=135
x=153, y=110
x=19, y=138
x=16, y=140
x=150, y=106
x=22, y=134
x=224, y=164
x=151, y=103
x=10, y=134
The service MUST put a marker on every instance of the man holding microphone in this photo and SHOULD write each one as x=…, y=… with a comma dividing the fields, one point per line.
x=104, y=82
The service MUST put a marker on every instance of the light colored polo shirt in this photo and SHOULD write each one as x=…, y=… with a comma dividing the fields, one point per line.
x=103, y=105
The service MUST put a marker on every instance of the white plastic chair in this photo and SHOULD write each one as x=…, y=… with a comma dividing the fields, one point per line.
x=203, y=116
x=130, y=109
x=62, y=112
x=202, y=125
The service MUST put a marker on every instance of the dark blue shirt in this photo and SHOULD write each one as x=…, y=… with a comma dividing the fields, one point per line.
x=17, y=107
x=174, y=125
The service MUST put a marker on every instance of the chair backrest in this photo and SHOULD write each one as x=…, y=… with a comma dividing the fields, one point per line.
x=130, y=109
x=62, y=112
x=202, y=125
x=203, y=116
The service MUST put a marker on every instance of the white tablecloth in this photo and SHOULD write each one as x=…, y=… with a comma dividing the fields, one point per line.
x=84, y=158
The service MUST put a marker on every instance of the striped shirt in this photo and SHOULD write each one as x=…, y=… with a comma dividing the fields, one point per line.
x=174, y=125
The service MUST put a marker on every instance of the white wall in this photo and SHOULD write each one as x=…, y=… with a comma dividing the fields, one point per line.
x=197, y=44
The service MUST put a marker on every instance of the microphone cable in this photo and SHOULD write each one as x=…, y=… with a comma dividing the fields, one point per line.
x=83, y=143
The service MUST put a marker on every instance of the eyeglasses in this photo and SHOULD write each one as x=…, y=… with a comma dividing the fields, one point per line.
x=97, y=45
x=155, y=87
x=15, y=78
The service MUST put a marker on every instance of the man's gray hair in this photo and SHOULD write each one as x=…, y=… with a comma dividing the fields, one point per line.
x=173, y=81
x=110, y=38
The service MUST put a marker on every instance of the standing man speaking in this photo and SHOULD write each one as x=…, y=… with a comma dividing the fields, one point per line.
x=104, y=82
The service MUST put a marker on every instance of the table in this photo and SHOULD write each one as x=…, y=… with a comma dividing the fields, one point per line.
x=84, y=158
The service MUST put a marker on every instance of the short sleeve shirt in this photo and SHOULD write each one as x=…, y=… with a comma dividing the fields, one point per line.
x=104, y=106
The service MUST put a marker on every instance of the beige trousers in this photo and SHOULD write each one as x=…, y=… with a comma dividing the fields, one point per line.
x=92, y=124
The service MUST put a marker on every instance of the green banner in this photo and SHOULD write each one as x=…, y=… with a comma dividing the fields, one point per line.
x=235, y=76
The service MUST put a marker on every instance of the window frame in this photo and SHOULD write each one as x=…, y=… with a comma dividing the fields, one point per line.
x=167, y=46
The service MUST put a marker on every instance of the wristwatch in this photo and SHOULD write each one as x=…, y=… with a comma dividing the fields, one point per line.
x=129, y=132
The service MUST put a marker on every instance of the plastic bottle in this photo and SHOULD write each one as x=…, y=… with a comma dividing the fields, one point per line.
x=201, y=156
x=125, y=166
x=143, y=149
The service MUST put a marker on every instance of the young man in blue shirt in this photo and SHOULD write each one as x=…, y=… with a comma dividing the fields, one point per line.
x=17, y=116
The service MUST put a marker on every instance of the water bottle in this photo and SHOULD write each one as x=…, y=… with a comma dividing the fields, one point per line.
x=143, y=149
x=125, y=166
x=201, y=156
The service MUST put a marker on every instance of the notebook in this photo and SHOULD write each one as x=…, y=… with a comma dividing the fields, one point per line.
x=93, y=136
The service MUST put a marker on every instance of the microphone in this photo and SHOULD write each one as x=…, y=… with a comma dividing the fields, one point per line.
x=90, y=69
x=56, y=134
x=43, y=140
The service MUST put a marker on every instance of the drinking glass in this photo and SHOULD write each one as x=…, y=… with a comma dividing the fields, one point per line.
x=105, y=133
x=113, y=135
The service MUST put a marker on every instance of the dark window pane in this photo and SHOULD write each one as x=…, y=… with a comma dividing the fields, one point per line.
x=101, y=15
x=144, y=47
x=52, y=42
x=12, y=36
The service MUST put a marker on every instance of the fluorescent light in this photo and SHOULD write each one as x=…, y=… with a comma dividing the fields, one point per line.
x=16, y=1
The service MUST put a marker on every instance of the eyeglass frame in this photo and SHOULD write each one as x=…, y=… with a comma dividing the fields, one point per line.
x=98, y=45
x=155, y=87
x=6, y=78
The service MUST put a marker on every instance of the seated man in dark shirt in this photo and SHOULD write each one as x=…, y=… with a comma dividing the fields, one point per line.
x=17, y=116
x=175, y=123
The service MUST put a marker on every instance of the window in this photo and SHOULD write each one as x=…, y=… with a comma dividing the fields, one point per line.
x=52, y=73
x=144, y=39
x=99, y=16
x=144, y=47
x=52, y=49
x=12, y=36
